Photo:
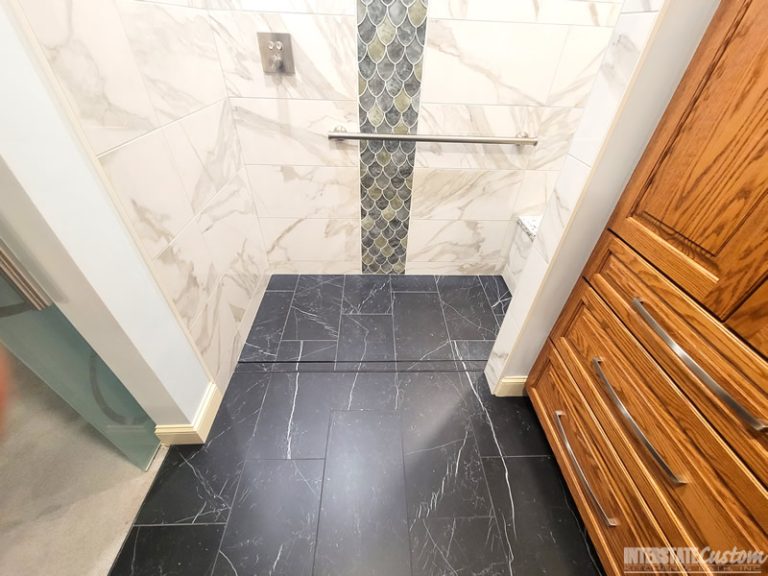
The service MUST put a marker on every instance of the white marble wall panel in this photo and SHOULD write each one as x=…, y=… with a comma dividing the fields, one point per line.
x=89, y=53
x=176, y=53
x=578, y=12
x=324, y=52
x=144, y=175
x=306, y=191
x=456, y=241
x=311, y=239
x=288, y=6
x=274, y=131
x=579, y=62
x=457, y=194
x=520, y=249
x=622, y=55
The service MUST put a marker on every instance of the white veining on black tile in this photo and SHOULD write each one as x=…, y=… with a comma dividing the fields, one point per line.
x=468, y=313
x=366, y=337
x=367, y=294
x=315, y=309
x=363, y=528
x=273, y=523
x=420, y=331
x=264, y=338
x=497, y=293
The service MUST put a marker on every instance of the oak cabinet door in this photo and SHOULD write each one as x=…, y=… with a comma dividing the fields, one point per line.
x=697, y=204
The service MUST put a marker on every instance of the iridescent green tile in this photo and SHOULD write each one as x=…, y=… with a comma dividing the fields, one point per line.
x=417, y=13
x=402, y=101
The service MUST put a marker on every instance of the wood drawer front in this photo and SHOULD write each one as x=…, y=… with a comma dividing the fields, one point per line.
x=558, y=403
x=721, y=504
x=750, y=320
x=620, y=276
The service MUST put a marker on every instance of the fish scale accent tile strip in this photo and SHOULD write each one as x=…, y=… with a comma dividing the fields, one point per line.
x=390, y=50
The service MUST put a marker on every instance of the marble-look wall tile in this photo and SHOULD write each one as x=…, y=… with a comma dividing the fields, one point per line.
x=290, y=6
x=306, y=191
x=322, y=240
x=641, y=6
x=580, y=12
x=537, y=187
x=323, y=51
x=630, y=35
x=176, y=54
x=455, y=194
x=186, y=272
x=556, y=127
x=316, y=267
x=88, y=51
x=214, y=333
x=475, y=120
x=581, y=57
x=144, y=175
x=520, y=249
x=457, y=240
x=206, y=150
x=289, y=132
x=468, y=268
x=470, y=62
x=232, y=232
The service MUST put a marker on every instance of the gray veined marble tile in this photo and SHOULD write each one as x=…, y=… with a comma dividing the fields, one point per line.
x=366, y=338
x=87, y=49
x=413, y=283
x=176, y=54
x=367, y=294
x=363, y=529
x=267, y=330
x=497, y=293
x=420, y=332
x=306, y=356
x=273, y=523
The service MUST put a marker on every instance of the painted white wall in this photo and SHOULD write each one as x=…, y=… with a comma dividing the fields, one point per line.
x=58, y=217
x=614, y=132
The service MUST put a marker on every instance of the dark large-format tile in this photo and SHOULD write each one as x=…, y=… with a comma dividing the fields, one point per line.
x=169, y=550
x=503, y=426
x=366, y=337
x=273, y=523
x=316, y=309
x=497, y=292
x=284, y=282
x=413, y=283
x=363, y=529
x=374, y=391
x=367, y=294
x=296, y=413
x=457, y=546
x=468, y=314
x=267, y=330
x=420, y=332
x=540, y=530
x=196, y=484
x=306, y=355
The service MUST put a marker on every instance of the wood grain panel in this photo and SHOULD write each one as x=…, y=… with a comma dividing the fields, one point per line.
x=721, y=504
x=697, y=204
x=750, y=320
x=551, y=390
x=619, y=275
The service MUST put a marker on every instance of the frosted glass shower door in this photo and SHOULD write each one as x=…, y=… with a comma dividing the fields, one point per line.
x=49, y=346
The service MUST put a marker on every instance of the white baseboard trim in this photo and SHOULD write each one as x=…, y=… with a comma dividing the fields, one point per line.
x=197, y=431
x=511, y=386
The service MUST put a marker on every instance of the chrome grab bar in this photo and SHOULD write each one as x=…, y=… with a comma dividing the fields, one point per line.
x=339, y=133
x=610, y=522
x=638, y=433
x=749, y=419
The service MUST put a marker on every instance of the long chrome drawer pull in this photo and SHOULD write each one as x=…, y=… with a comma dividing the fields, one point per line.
x=750, y=420
x=610, y=522
x=639, y=434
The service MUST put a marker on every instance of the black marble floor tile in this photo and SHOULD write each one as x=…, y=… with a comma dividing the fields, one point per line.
x=296, y=413
x=374, y=391
x=468, y=315
x=367, y=294
x=420, y=332
x=469, y=350
x=458, y=546
x=273, y=523
x=363, y=529
x=541, y=532
x=447, y=480
x=306, y=356
x=497, y=292
x=413, y=283
x=283, y=282
x=267, y=330
x=169, y=550
x=196, y=484
x=503, y=426
x=316, y=308
x=366, y=337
